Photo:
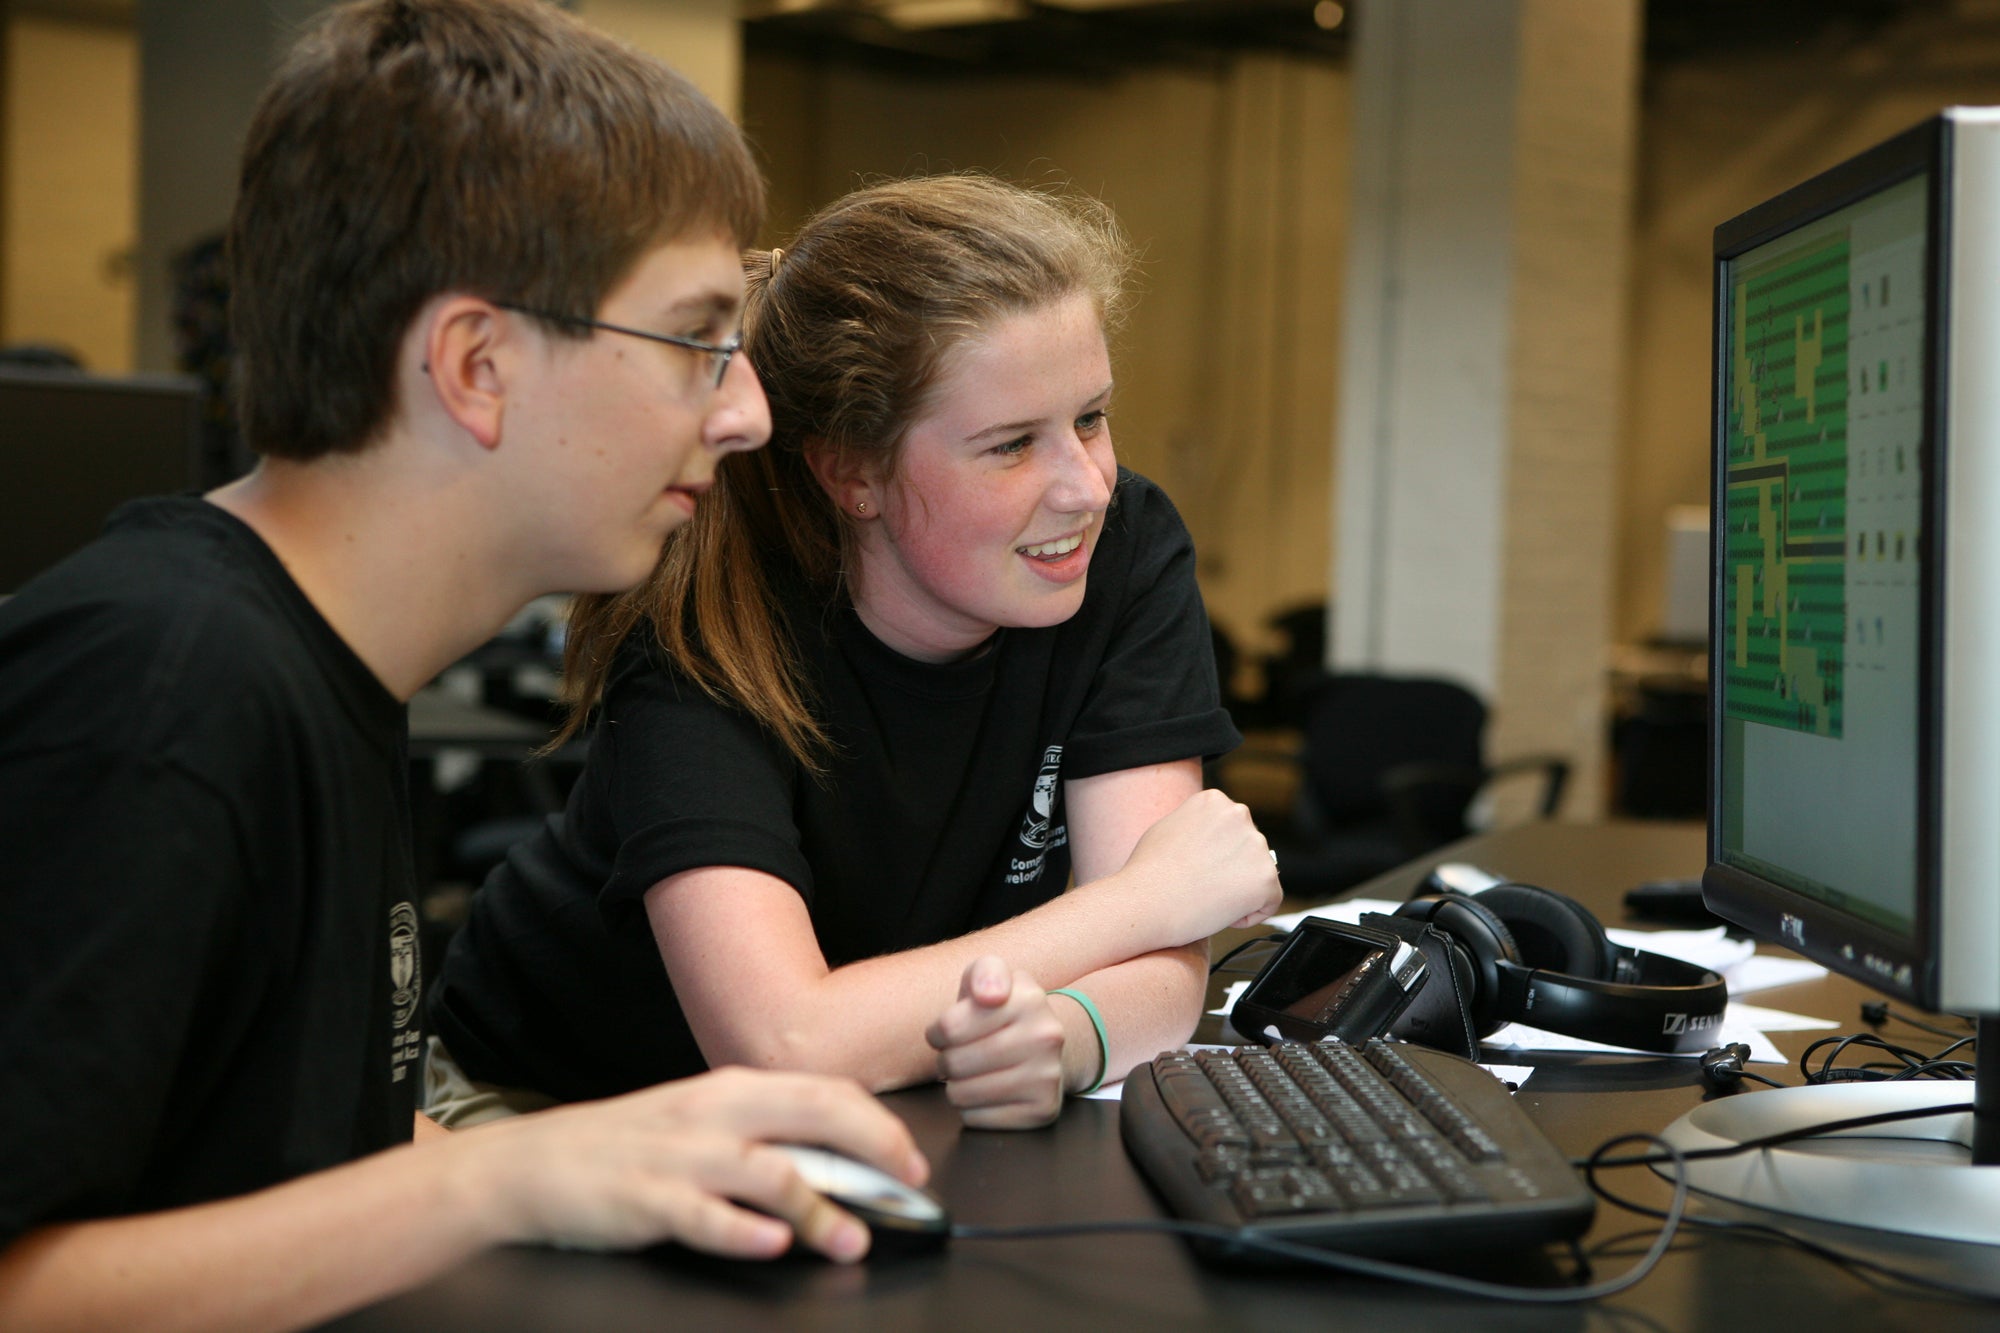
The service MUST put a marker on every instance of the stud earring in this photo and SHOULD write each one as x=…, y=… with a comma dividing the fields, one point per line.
x=861, y=508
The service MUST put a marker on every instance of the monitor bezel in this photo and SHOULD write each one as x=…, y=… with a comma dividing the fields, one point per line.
x=1906, y=967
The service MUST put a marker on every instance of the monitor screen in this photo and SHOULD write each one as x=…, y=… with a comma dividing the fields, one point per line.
x=74, y=447
x=1822, y=393
x=1846, y=311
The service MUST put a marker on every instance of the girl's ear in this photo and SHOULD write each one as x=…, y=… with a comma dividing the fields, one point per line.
x=848, y=478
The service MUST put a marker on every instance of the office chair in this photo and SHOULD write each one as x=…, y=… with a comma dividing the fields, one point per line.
x=1391, y=767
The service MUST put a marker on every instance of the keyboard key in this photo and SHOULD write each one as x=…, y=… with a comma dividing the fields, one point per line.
x=1286, y=1190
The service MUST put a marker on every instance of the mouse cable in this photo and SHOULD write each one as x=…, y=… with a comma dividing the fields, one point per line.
x=1872, y=1271
x=1375, y=1268
x=1597, y=1158
x=1865, y=1269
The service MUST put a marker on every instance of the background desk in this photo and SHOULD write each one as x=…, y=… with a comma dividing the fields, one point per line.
x=477, y=786
x=1077, y=1169
x=440, y=722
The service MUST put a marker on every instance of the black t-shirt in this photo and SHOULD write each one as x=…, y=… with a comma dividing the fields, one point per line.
x=942, y=812
x=208, y=966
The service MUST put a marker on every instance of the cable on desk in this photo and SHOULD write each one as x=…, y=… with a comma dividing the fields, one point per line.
x=1908, y=1063
x=1878, y=1012
x=1596, y=1159
x=1375, y=1268
x=1723, y=1067
x=1866, y=1269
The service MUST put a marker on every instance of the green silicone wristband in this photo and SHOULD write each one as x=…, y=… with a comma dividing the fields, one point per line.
x=1103, y=1041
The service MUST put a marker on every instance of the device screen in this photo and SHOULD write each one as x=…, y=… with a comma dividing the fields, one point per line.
x=1331, y=979
x=1823, y=398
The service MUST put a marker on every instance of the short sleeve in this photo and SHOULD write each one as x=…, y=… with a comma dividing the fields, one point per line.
x=124, y=912
x=691, y=782
x=1153, y=697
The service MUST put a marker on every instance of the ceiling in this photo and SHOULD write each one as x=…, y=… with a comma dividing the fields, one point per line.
x=1091, y=37
x=1077, y=36
x=123, y=13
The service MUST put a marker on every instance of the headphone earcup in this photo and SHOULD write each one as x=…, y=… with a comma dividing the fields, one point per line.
x=1482, y=935
x=1552, y=932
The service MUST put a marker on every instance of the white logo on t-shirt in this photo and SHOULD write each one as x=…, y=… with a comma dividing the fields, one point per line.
x=1038, y=828
x=1042, y=802
x=406, y=988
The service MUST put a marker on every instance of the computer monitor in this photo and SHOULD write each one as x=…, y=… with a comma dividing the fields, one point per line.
x=73, y=447
x=1854, y=795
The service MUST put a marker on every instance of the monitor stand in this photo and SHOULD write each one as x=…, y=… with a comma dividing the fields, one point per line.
x=1914, y=1179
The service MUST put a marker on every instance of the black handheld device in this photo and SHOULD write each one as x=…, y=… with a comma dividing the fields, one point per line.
x=1330, y=979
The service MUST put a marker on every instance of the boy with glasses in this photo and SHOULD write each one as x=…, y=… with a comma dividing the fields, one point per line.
x=450, y=211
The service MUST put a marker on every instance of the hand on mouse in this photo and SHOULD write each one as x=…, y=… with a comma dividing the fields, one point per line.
x=1001, y=1050
x=677, y=1161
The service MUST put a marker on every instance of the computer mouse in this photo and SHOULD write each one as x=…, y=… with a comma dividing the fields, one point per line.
x=901, y=1219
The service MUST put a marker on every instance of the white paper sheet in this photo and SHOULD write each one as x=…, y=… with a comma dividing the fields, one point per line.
x=1735, y=1027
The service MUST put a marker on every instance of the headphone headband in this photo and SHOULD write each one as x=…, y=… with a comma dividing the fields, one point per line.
x=1670, y=1006
x=1564, y=976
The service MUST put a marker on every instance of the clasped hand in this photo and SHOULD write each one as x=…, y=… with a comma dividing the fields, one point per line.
x=1004, y=1054
x=1001, y=1049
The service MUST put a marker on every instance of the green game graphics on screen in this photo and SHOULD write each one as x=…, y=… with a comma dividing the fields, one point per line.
x=1785, y=561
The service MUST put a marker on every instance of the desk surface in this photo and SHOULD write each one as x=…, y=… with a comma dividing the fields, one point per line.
x=1077, y=1169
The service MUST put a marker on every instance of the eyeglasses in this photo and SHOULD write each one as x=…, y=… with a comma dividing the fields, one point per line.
x=721, y=351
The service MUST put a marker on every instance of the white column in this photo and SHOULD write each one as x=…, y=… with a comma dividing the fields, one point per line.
x=1482, y=356
x=1422, y=421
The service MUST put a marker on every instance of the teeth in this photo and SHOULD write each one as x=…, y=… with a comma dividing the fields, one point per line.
x=1049, y=550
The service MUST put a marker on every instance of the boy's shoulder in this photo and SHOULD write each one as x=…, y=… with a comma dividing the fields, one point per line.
x=177, y=614
x=168, y=578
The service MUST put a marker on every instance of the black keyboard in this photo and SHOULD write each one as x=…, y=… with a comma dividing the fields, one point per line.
x=1385, y=1149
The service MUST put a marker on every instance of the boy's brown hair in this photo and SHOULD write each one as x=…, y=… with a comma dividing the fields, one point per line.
x=412, y=147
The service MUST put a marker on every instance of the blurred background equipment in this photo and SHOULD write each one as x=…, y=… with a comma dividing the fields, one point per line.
x=74, y=446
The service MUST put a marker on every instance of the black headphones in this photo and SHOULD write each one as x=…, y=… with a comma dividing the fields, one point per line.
x=1517, y=953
